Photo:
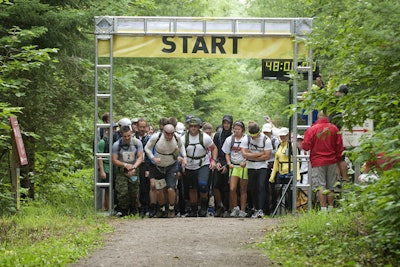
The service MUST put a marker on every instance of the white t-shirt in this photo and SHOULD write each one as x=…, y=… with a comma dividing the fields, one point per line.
x=234, y=149
x=261, y=143
x=197, y=156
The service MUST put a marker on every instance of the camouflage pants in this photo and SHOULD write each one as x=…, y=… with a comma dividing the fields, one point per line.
x=127, y=192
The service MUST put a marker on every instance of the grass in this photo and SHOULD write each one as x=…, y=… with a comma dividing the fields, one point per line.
x=316, y=239
x=41, y=235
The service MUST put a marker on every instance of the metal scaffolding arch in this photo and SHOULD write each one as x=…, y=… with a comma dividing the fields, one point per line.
x=192, y=37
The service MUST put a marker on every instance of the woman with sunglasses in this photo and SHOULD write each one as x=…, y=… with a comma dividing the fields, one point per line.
x=237, y=169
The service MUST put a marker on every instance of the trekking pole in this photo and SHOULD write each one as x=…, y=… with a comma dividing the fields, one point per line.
x=282, y=197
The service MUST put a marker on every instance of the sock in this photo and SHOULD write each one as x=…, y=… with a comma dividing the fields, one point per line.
x=171, y=207
x=330, y=208
x=162, y=208
x=324, y=209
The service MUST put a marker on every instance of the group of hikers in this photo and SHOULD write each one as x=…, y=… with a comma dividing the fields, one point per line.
x=185, y=169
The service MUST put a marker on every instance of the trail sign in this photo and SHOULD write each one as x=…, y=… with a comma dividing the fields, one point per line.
x=352, y=138
x=23, y=160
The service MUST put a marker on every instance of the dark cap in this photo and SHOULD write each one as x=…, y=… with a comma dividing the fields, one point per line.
x=343, y=89
x=194, y=121
x=228, y=118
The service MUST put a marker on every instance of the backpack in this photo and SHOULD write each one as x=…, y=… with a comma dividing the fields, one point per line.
x=135, y=143
x=170, y=154
x=233, y=141
x=200, y=142
x=159, y=136
x=273, y=141
x=265, y=140
x=290, y=149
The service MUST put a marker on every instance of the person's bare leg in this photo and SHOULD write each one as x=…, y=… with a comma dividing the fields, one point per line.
x=243, y=194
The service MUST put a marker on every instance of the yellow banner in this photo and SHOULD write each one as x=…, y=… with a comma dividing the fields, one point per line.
x=201, y=47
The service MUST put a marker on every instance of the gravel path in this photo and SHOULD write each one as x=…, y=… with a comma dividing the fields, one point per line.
x=205, y=241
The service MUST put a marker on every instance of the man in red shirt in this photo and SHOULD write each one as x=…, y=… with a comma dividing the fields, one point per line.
x=326, y=147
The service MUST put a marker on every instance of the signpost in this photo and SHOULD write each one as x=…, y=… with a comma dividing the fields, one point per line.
x=352, y=138
x=18, y=158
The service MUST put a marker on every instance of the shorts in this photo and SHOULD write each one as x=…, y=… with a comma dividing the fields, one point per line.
x=107, y=180
x=168, y=173
x=240, y=172
x=324, y=177
x=192, y=178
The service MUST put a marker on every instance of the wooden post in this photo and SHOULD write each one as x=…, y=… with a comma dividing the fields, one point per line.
x=18, y=158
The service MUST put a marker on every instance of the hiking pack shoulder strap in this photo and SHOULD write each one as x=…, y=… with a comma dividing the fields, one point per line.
x=201, y=136
x=265, y=140
x=134, y=140
x=273, y=141
x=159, y=136
x=158, y=139
x=290, y=148
x=200, y=140
x=233, y=140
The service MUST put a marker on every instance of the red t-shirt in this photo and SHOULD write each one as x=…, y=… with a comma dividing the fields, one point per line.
x=324, y=142
x=381, y=163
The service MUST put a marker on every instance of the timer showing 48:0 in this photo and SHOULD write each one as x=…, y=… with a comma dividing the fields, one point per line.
x=285, y=65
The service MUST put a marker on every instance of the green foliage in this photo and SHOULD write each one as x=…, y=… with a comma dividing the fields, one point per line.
x=357, y=44
x=275, y=9
x=315, y=239
x=67, y=156
x=380, y=201
x=44, y=235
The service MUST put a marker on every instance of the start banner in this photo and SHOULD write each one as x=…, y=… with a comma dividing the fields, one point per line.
x=262, y=47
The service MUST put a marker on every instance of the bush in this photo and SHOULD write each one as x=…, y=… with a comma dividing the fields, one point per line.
x=380, y=201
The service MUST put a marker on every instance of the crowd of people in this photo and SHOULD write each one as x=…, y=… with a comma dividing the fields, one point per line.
x=187, y=169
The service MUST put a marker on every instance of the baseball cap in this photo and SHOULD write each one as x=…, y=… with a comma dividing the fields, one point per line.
x=342, y=89
x=283, y=131
x=267, y=128
x=195, y=121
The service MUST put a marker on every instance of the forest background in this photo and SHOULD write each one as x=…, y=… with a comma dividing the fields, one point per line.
x=47, y=81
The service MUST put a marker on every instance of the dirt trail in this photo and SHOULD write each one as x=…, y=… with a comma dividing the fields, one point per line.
x=183, y=242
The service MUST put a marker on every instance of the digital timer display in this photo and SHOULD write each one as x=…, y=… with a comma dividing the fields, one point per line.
x=279, y=69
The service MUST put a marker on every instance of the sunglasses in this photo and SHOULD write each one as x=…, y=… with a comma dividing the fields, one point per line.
x=253, y=135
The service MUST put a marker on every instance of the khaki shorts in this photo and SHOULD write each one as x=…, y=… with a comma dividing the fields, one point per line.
x=324, y=177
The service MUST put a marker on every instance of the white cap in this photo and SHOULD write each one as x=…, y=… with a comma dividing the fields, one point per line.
x=125, y=122
x=283, y=131
x=267, y=128
x=179, y=127
x=300, y=137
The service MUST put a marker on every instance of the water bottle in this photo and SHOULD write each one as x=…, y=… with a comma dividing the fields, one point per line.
x=134, y=178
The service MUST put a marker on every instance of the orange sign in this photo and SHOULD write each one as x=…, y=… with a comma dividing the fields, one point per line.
x=23, y=160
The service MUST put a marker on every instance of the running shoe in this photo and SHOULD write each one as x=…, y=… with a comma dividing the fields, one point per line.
x=235, y=212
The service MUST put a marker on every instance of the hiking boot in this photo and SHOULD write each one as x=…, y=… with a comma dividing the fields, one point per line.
x=192, y=213
x=242, y=214
x=203, y=208
x=226, y=214
x=152, y=213
x=219, y=212
x=202, y=212
x=250, y=213
x=235, y=212
x=161, y=214
x=171, y=214
x=153, y=210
